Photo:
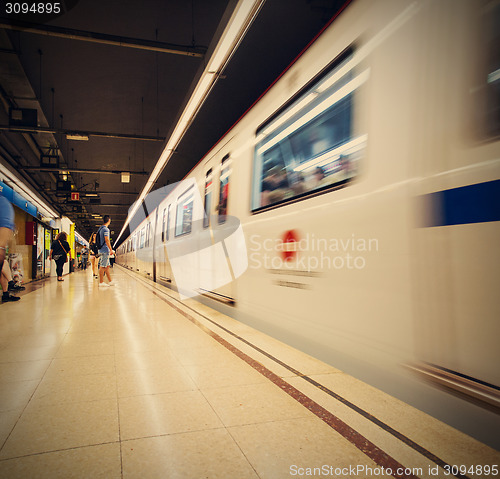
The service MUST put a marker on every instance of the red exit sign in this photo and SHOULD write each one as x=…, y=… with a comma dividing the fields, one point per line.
x=75, y=196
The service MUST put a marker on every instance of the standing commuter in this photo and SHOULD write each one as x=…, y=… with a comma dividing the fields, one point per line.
x=59, y=252
x=6, y=228
x=102, y=239
x=85, y=257
x=93, y=255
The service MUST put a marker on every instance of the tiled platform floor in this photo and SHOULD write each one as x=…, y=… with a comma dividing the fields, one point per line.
x=111, y=383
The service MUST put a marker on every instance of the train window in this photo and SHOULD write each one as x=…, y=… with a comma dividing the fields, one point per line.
x=184, y=217
x=143, y=234
x=163, y=225
x=168, y=223
x=208, y=198
x=134, y=243
x=486, y=89
x=225, y=173
x=309, y=145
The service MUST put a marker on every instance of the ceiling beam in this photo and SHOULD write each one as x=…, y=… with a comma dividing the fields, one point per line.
x=80, y=170
x=82, y=134
x=91, y=205
x=103, y=38
x=93, y=193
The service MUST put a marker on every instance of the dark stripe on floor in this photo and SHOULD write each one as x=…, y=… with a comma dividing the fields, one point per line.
x=260, y=368
x=350, y=434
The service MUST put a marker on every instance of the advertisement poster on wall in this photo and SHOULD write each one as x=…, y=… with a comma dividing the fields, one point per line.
x=16, y=267
x=47, y=251
x=40, y=240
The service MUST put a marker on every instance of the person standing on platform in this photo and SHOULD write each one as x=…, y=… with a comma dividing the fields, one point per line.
x=85, y=257
x=93, y=255
x=105, y=249
x=59, y=253
x=6, y=229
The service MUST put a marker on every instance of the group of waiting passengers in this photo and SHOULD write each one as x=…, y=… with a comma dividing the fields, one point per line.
x=60, y=251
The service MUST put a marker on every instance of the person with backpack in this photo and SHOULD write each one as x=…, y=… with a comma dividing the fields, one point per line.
x=104, y=250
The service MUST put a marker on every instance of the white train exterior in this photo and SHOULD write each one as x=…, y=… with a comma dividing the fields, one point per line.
x=366, y=184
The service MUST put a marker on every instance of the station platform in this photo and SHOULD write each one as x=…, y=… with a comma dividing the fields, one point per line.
x=130, y=382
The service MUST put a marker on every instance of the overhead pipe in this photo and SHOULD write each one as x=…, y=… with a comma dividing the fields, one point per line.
x=104, y=38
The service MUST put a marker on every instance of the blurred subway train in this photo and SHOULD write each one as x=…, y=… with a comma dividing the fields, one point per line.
x=353, y=211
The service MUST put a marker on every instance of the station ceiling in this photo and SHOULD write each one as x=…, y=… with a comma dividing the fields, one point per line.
x=126, y=99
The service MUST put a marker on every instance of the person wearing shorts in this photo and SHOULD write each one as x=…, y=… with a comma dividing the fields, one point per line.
x=104, y=252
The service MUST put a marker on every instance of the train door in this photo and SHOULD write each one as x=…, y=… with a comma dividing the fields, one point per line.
x=164, y=271
x=205, y=253
x=154, y=241
x=207, y=200
x=134, y=263
x=456, y=242
x=225, y=292
x=141, y=242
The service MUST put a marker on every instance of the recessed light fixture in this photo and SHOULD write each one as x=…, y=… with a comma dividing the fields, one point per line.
x=76, y=136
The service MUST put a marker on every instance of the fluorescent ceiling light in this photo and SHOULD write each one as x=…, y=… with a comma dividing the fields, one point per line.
x=240, y=21
x=75, y=136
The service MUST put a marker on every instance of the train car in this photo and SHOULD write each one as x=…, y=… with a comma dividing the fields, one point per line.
x=366, y=184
